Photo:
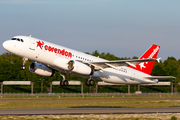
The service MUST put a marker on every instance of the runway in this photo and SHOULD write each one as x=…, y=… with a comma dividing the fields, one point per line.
x=64, y=111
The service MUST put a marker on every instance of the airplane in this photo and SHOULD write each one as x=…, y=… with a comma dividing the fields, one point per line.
x=50, y=57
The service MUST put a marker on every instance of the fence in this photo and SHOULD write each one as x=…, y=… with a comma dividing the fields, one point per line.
x=81, y=84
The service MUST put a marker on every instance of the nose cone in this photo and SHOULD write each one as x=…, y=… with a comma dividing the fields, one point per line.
x=6, y=45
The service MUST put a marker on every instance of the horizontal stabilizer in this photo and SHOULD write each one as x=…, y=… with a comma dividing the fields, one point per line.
x=160, y=77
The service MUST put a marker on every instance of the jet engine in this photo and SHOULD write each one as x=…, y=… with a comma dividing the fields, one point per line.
x=41, y=69
x=79, y=67
x=73, y=66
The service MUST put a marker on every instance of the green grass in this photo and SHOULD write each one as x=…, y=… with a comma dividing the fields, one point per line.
x=44, y=101
x=87, y=102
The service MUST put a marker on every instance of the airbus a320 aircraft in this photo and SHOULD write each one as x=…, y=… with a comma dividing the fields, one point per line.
x=49, y=58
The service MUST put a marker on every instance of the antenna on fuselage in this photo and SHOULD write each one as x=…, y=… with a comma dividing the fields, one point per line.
x=30, y=36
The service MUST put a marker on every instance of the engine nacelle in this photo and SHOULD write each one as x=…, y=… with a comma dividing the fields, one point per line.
x=41, y=69
x=79, y=67
x=73, y=66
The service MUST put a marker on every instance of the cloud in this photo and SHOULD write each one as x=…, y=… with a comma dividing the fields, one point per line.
x=24, y=2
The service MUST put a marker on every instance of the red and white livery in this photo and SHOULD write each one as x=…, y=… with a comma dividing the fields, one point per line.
x=50, y=57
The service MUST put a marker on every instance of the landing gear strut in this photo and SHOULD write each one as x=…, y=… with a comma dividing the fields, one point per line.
x=64, y=82
x=24, y=62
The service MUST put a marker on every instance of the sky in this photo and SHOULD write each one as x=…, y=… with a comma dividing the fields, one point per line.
x=125, y=28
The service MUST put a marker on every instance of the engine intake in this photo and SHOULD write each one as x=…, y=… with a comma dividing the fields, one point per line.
x=71, y=65
x=41, y=69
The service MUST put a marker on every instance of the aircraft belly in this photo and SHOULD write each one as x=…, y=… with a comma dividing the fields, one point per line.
x=119, y=77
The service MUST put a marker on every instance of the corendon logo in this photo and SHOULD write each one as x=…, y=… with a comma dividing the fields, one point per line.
x=151, y=56
x=39, y=43
x=53, y=49
x=154, y=52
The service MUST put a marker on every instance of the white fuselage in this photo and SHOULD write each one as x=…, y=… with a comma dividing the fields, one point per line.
x=29, y=48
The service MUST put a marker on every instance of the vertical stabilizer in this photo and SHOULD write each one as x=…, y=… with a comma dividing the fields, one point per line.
x=147, y=67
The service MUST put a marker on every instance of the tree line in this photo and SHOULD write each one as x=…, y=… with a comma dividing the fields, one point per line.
x=10, y=71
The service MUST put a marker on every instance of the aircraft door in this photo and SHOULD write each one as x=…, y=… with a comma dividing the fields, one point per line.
x=32, y=43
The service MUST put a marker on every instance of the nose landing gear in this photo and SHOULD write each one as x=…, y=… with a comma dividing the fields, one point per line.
x=24, y=62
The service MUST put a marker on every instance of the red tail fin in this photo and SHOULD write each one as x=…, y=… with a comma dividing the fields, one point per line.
x=147, y=67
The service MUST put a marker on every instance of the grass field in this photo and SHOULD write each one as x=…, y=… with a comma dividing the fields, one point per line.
x=17, y=102
x=10, y=101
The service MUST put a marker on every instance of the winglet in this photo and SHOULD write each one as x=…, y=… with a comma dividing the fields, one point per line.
x=158, y=59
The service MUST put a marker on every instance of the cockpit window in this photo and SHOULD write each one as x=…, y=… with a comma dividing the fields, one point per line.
x=18, y=39
x=13, y=39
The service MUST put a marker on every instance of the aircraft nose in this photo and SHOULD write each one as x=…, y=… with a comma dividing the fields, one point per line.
x=6, y=45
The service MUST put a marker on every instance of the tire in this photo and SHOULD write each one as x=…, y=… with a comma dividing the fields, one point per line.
x=61, y=83
x=22, y=67
x=66, y=83
x=91, y=82
x=87, y=82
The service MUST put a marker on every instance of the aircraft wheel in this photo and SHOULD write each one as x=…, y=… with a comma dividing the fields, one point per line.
x=87, y=82
x=91, y=82
x=66, y=83
x=61, y=83
x=22, y=67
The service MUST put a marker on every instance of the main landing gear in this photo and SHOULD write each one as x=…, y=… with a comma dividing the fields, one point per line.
x=24, y=62
x=90, y=82
x=64, y=82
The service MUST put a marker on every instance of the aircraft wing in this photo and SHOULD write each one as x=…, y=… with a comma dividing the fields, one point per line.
x=115, y=64
x=160, y=77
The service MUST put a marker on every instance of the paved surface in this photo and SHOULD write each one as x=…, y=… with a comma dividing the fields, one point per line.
x=64, y=111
